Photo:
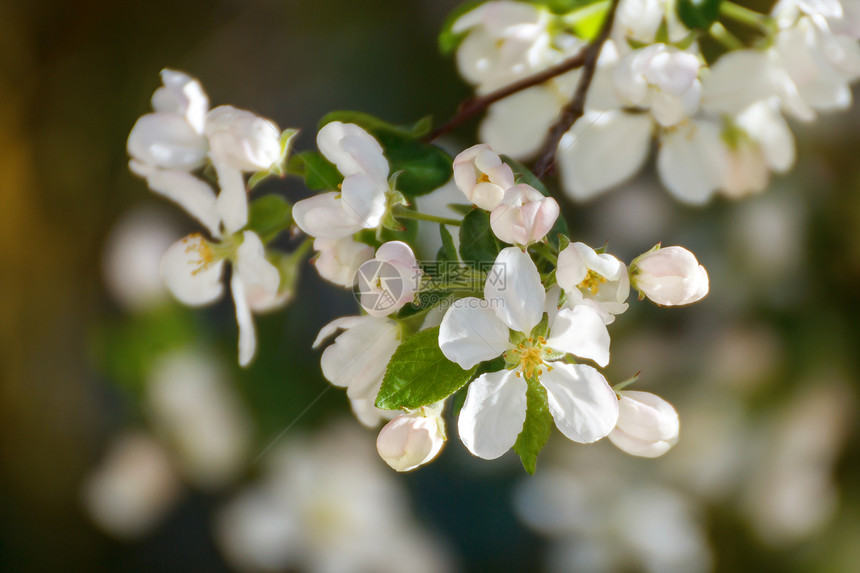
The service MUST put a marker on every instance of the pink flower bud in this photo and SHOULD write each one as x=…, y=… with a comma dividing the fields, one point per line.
x=524, y=216
x=647, y=425
x=669, y=276
x=411, y=440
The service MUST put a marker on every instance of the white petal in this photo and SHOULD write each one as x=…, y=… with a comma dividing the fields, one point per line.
x=324, y=216
x=518, y=125
x=185, y=276
x=602, y=150
x=471, y=333
x=582, y=332
x=692, y=161
x=769, y=129
x=233, y=199
x=352, y=150
x=168, y=141
x=359, y=356
x=582, y=403
x=183, y=95
x=493, y=414
x=247, y=334
x=260, y=277
x=737, y=80
x=342, y=323
x=397, y=252
x=184, y=189
x=514, y=290
x=364, y=199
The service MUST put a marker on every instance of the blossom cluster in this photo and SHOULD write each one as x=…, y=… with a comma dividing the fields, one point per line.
x=719, y=120
x=173, y=148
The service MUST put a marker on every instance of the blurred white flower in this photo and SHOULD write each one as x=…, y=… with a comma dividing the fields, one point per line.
x=133, y=488
x=338, y=260
x=325, y=504
x=482, y=176
x=603, y=517
x=524, y=216
x=598, y=280
x=361, y=201
x=132, y=255
x=412, y=438
x=647, y=425
x=198, y=413
x=669, y=276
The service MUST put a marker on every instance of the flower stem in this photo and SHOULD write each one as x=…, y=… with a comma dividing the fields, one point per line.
x=546, y=252
x=574, y=110
x=408, y=214
x=744, y=15
x=726, y=38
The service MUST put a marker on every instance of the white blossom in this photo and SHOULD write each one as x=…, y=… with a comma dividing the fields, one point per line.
x=338, y=259
x=669, y=276
x=198, y=413
x=482, y=176
x=412, y=439
x=359, y=355
x=361, y=202
x=242, y=140
x=647, y=425
x=524, y=215
x=133, y=488
x=598, y=280
x=581, y=402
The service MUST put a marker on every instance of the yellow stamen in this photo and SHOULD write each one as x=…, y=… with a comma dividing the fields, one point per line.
x=203, y=250
x=592, y=282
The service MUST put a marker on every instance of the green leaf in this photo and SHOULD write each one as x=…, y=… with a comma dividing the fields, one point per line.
x=698, y=14
x=425, y=167
x=461, y=208
x=419, y=374
x=448, y=39
x=319, y=174
x=375, y=125
x=537, y=427
x=269, y=215
x=478, y=243
x=448, y=244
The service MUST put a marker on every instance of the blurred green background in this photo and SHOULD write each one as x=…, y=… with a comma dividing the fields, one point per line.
x=778, y=332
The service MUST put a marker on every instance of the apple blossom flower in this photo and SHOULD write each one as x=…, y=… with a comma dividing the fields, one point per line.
x=598, y=280
x=172, y=137
x=359, y=355
x=390, y=280
x=661, y=79
x=669, y=276
x=322, y=503
x=640, y=20
x=524, y=215
x=647, y=425
x=361, y=201
x=338, y=260
x=198, y=412
x=242, y=140
x=504, y=41
x=192, y=270
x=133, y=487
x=581, y=402
x=413, y=438
x=482, y=176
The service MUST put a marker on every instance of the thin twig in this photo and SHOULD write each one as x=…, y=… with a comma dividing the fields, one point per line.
x=476, y=105
x=574, y=110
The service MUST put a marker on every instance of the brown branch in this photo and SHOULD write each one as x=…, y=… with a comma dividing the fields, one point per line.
x=576, y=107
x=476, y=105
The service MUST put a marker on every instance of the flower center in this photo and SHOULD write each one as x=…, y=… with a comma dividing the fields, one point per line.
x=592, y=282
x=528, y=357
x=197, y=244
x=483, y=178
